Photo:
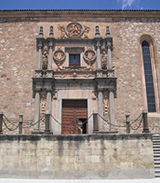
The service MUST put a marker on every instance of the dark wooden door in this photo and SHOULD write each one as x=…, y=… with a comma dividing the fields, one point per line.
x=72, y=112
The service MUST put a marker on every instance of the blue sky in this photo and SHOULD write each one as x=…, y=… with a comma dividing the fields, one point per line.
x=80, y=4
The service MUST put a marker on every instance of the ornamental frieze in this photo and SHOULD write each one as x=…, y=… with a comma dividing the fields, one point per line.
x=74, y=30
x=59, y=57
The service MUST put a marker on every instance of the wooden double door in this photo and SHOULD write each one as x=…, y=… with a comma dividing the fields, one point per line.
x=74, y=115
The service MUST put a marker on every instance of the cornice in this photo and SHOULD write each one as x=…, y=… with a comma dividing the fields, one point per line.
x=80, y=14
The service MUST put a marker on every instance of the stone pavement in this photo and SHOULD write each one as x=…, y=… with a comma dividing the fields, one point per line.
x=79, y=181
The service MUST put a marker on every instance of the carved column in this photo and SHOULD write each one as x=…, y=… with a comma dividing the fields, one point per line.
x=100, y=110
x=109, y=56
x=39, y=55
x=111, y=109
x=51, y=35
x=37, y=111
x=98, y=45
x=109, y=41
x=39, y=39
x=50, y=55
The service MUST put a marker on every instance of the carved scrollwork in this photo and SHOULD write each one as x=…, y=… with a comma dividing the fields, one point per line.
x=89, y=56
x=59, y=57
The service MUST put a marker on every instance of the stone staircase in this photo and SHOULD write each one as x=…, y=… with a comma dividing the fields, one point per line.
x=156, y=151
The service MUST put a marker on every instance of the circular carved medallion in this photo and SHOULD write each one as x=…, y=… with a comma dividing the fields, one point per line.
x=89, y=56
x=74, y=29
x=59, y=56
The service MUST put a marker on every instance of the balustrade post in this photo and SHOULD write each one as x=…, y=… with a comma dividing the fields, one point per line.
x=47, y=123
x=1, y=121
x=20, y=123
x=127, y=123
x=145, y=122
x=95, y=121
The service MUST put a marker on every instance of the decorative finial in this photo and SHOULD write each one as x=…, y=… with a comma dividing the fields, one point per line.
x=107, y=31
x=97, y=32
x=41, y=31
x=51, y=34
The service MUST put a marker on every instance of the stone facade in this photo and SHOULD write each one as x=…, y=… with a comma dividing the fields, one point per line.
x=19, y=60
x=76, y=157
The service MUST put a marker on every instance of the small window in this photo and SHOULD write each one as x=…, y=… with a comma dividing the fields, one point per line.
x=148, y=77
x=74, y=60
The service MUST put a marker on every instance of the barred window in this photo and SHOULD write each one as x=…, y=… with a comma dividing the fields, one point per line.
x=148, y=77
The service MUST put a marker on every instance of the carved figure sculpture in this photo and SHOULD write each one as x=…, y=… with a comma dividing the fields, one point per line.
x=104, y=59
x=45, y=59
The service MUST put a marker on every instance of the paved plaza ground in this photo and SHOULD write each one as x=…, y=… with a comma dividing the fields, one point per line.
x=79, y=181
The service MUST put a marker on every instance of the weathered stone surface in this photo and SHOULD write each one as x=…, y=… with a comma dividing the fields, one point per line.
x=76, y=156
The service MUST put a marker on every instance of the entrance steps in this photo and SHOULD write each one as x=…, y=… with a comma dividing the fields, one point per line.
x=156, y=151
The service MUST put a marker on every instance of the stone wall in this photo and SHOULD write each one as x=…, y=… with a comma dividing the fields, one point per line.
x=19, y=59
x=76, y=156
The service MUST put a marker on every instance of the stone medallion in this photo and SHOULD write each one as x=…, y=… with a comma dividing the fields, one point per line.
x=59, y=57
x=74, y=29
x=89, y=56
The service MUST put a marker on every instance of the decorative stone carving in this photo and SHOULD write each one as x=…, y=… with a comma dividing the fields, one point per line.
x=38, y=73
x=97, y=32
x=89, y=56
x=104, y=59
x=41, y=31
x=110, y=73
x=49, y=74
x=45, y=58
x=63, y=32
x=106, y=103
x=94, y=95
x=99, y=73
x=43, y=104
x=107, y=31
x=51, y=34
x=59, y=57
x=86, y=31
x=55, y=95
x=74, y=30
